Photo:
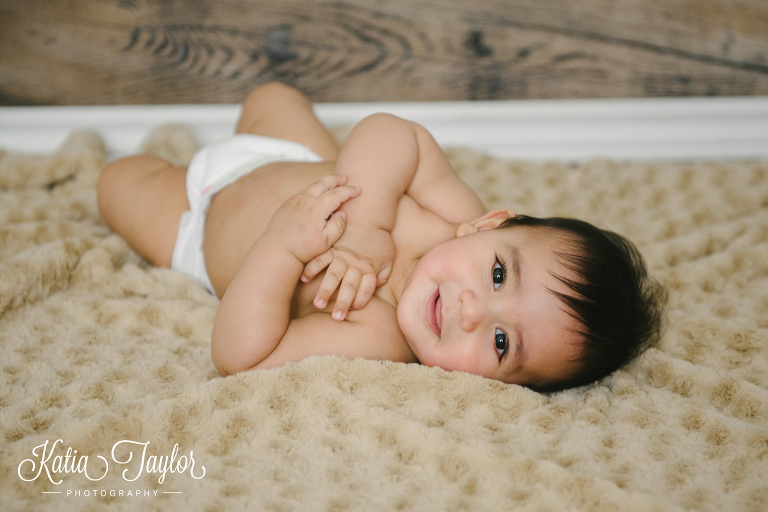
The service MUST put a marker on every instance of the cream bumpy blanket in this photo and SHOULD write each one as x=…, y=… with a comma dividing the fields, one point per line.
x=111, y=355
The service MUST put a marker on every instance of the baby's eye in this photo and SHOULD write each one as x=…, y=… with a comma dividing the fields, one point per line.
x=499, y=272
x=501, y=343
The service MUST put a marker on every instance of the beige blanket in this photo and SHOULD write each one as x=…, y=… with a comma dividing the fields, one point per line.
x=106, y=353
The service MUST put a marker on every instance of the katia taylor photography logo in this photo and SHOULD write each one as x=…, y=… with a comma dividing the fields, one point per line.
x=133, y=457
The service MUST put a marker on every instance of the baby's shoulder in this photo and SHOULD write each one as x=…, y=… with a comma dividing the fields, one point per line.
x=379, y=319
x=378, y=314
x=370, y=333
x=374, y=332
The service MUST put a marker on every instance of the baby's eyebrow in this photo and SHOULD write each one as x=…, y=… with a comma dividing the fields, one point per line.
x=514, y=258
x=520, y=354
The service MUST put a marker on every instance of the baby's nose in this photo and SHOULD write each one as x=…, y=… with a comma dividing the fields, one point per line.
x=470, y=311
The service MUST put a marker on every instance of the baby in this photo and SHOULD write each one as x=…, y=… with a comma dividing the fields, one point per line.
x=378, y=250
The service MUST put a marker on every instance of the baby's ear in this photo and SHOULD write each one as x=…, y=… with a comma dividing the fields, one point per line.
x=490, y=220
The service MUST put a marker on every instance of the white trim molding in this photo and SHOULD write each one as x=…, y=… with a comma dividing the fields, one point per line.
x=570, y=130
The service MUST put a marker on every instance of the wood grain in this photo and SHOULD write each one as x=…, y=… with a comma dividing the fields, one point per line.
x=58, y=52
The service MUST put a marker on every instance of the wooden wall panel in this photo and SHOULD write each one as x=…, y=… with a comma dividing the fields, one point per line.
x=57, y=52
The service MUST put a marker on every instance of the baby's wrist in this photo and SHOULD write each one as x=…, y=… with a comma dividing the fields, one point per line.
x=282, y=245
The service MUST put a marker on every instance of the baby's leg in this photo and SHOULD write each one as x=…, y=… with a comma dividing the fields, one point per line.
x=141, y=198
x=279, y=111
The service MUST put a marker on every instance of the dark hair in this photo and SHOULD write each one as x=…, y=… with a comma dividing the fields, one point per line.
x=618, y=305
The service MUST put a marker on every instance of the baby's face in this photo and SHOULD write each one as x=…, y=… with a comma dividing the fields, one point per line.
x=480, y=304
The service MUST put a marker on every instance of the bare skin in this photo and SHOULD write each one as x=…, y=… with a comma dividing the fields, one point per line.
x=401, y=200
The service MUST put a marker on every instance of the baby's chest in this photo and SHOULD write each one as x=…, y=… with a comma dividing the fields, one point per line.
x=302, y=302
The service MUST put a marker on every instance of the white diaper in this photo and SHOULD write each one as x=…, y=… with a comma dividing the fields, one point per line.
x=213, y=168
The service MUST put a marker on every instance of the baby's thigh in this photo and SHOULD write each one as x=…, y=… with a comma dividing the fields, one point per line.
x=141, y=198
x=279, y=111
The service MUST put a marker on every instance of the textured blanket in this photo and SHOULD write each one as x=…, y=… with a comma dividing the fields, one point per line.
x=108, y=396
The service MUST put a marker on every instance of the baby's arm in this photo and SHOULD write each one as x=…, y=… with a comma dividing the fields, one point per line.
x=255, y=310
x=387, y=157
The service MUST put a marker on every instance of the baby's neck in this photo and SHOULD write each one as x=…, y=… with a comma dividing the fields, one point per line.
x=393, y=289
x=408, y=253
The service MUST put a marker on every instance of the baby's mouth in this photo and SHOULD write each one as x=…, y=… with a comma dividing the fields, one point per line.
x=433, y=313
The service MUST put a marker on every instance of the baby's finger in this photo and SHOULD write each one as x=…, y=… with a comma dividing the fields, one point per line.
x=347, y=291
x=365, y=292
x=316, y=265
x=331, y=280
x=335, y=197
x=334, y=228
x=383, y=276
x=325, y=184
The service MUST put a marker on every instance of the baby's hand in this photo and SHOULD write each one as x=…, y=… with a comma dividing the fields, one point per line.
x=308, y=223
x=351, y=269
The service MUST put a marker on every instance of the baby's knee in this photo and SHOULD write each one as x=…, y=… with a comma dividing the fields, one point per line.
x=272, y=93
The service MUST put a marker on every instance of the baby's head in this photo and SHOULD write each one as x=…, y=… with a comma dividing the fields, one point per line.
x=548, y=303
x=618, y=306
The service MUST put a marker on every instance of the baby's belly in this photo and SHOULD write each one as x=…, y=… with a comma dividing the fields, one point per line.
x=241, y=212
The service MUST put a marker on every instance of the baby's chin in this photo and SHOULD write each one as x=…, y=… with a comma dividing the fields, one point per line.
x=421, y=357
x=417, y=355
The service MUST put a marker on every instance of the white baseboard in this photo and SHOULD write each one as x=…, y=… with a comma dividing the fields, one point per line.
x=625, y=129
